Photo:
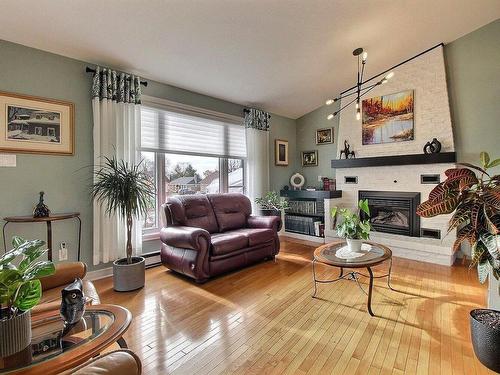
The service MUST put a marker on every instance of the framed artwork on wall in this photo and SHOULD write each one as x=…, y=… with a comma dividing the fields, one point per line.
x=281, y=152
x=324, y=136
x=388, y=118
x=35, y=125
x=309, y=158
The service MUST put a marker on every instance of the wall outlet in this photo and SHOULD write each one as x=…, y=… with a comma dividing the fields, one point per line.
x=63, y=251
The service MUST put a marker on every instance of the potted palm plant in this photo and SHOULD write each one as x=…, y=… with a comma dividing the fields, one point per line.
x=352, y=227
x=473, y=196
x=272, y=204
x=20, y=291
x=125, y=190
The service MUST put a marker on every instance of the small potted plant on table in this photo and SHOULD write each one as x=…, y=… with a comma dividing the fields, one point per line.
x=352, y=227
x=474, y=201
x=125, y=190
x=272, y=204
x=20, y=291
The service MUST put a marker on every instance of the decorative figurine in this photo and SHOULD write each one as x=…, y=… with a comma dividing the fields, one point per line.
x=347, y=151
x=433, y=147
x=41, y=209
x=72, y=305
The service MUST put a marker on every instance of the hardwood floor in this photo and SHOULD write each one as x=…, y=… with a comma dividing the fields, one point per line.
x=262, y=320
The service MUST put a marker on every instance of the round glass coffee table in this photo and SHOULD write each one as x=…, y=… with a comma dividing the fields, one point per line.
x=378, y=254
x=49, y=353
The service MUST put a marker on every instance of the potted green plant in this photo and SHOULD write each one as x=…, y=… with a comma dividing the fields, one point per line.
x=473, y=196
x=125, y=190
x=272, y=204
x=20, y=291
x=352, y=227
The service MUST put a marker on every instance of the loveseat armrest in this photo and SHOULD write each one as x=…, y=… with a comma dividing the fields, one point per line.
x=185, y=237
x=269, y=222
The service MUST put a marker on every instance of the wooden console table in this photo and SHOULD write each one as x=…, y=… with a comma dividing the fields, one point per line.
x=48, y=220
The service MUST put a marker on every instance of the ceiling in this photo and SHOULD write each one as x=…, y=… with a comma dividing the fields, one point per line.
x=285, y=56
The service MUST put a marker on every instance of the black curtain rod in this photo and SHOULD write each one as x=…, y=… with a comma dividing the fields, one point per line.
x=394, y=67
x=90, y=70
x=246, y=110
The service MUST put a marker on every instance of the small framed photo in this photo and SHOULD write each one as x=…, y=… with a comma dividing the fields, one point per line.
x=309, y=158
x=281, y=152
x=324, y=136
x=34, y=125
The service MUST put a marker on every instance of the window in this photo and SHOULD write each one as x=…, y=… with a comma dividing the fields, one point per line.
x=190, y=153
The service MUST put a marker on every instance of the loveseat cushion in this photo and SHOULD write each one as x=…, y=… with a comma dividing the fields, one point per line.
x=193, y=211
x=231, y=210
x=224, y=243
x=256, y=236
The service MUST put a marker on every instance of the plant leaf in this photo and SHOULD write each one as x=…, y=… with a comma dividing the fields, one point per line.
x=492, y=197
x=492, y=244
x=494, y=163
x=468, y=165
x=363, y=205
x=466, y=233
x=40, y=269
x=483, y=269
x=29, y=295
x=433, y=208
x=485, y=159
x=459, y=217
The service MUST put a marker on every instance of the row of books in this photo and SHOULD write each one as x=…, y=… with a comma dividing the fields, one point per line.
x=306, y=207
x=304, y=225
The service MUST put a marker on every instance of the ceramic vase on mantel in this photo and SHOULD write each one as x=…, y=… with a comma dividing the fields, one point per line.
x=353, y=245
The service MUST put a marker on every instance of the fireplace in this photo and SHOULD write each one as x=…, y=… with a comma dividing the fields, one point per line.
x=393, y=212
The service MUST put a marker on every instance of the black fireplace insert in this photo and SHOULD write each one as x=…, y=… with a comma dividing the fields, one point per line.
x=393, y=212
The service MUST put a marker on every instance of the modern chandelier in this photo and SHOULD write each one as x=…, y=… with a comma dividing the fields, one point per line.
x=357, y=90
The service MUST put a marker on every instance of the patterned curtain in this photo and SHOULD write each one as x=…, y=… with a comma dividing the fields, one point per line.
x=116, y=99
x=119, y=87
x=257, y=119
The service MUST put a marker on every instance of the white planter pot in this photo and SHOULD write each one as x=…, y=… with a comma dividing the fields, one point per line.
x=15, y=334
x=354, y=245
x=127, y=277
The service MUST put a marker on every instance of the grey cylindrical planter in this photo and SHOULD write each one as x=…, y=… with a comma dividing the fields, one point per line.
x=127, y=277
x=15, y=334
x=486, y=337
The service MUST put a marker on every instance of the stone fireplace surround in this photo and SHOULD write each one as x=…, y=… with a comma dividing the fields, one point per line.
x=426, y=76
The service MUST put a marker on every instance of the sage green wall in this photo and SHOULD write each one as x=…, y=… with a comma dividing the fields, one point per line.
x=306, y=141
x=473, y=73
x=282, y=128
x=66, y=179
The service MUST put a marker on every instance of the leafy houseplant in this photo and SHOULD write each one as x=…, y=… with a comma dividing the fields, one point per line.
x=473, y=196
x=352, y=227
x=20, y=291
x=272, y=204
x=124, y=190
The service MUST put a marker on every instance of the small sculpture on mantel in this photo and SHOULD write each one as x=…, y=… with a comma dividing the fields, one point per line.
x=347, y=151
x=433, y=147
x=41, y=209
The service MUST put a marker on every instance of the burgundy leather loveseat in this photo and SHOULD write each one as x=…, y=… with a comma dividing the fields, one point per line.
x=207, y=235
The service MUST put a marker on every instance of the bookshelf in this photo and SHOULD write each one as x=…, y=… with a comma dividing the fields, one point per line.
x=306, y=215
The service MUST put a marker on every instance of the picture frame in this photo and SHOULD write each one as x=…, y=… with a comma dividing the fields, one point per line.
x=309, y=158
x=281, y=152
x=388, y=118
x=324, y=136
x=36, y=125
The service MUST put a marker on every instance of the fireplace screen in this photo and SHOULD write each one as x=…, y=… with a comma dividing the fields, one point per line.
x=393, y=212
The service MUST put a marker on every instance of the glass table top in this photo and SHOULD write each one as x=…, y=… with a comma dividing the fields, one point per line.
x=327, y=254
x=47, y=342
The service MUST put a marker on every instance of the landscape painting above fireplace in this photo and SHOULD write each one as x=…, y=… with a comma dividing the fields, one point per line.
x=388, y=118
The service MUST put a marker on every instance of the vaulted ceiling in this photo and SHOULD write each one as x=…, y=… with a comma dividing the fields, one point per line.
x=285, y=56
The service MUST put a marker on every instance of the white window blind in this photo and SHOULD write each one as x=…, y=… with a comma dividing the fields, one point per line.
x=179, y=132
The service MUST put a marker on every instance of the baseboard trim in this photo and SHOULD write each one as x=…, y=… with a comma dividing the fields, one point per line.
x=108, y=271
